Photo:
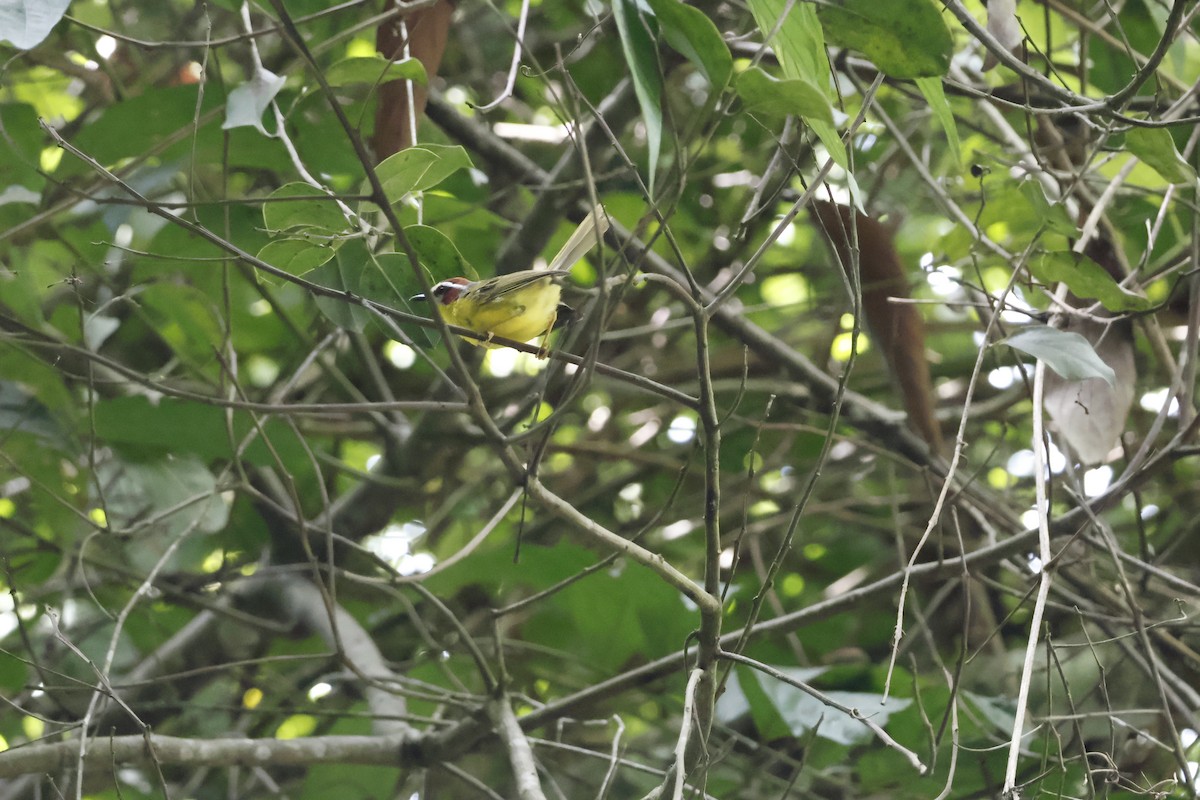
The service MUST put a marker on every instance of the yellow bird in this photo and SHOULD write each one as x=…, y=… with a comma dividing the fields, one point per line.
x=520, y=305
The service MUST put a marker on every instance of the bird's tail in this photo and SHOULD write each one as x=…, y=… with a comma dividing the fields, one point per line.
x=586, y=236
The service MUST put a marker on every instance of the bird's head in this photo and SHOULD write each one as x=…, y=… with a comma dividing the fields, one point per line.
x=445, y=292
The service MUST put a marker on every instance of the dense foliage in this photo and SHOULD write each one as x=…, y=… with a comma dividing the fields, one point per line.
x=865, y=468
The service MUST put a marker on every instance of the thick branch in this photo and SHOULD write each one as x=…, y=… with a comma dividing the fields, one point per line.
x=398, y=750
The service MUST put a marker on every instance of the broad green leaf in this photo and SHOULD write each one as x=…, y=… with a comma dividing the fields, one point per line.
x=385, y=279
x=358, y=271
x=26, y=23
x=1156, y=148
x=935, y=96
x=439, y=256
x=296, y=256
x=744, y=695
x=141, y=428
x=798, y=41
x=374, y=70
x=34, y=567
x=763, y=94
x=1068, y=354
x=905, y=38
x=180, y=482
x=323, y=781
x=20, y=143
x=641, y=56
x=300, y=206
x=22, y=294
x=1085, y=278
x=690, y=32
x=333, y=275
x=185, y=318
x=799, y=45
x=1053, y=215
x=419, y=168
x=246, y=103
x=13, y=672
x=142, y=124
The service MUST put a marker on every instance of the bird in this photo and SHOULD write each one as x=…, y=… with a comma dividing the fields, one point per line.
x=520, y=305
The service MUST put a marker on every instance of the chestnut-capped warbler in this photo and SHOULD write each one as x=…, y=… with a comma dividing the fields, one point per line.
x=521, y=305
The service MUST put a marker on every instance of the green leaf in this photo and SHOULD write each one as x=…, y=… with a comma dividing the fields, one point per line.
x=641, y=56
x=179, y=482
x=246, y=103
x=333, y=275
x=1085, y=278
x=763, y=94
x=691, y=33
x=1053, y=215
x=34, y=567
x=185, y=319
x=13, y=672
x=438, y=254
x=1156, y=148
x=744, y=695
x=300, y=206
x=142, y=124
x=296, y=256
x=22, y=295
x=798, y=42
x=419, y=168
x=20, y=144
x=1068, y=354
x=905, y=38
x=799, y=45
x=935, y=96
x=141, y=428
x=374, y=70
x=363, y=274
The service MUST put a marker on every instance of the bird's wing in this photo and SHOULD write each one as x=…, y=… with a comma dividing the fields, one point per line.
x=506, y=284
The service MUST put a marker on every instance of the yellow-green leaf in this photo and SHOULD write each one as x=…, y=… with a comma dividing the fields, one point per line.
x=1156, y=148
x=905, y=38
x=763, y=94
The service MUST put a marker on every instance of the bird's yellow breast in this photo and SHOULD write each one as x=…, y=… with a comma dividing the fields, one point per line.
x=520, y=314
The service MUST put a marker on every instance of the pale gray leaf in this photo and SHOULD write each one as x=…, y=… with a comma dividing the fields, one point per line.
x=247, y=102
x=801, y=711
x=1067, y=353
x=97, y=328
x=1090, y=415
x=1003, y=24
x=26, y=23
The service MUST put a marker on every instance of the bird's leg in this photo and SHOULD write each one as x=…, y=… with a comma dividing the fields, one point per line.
x=544, y=351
